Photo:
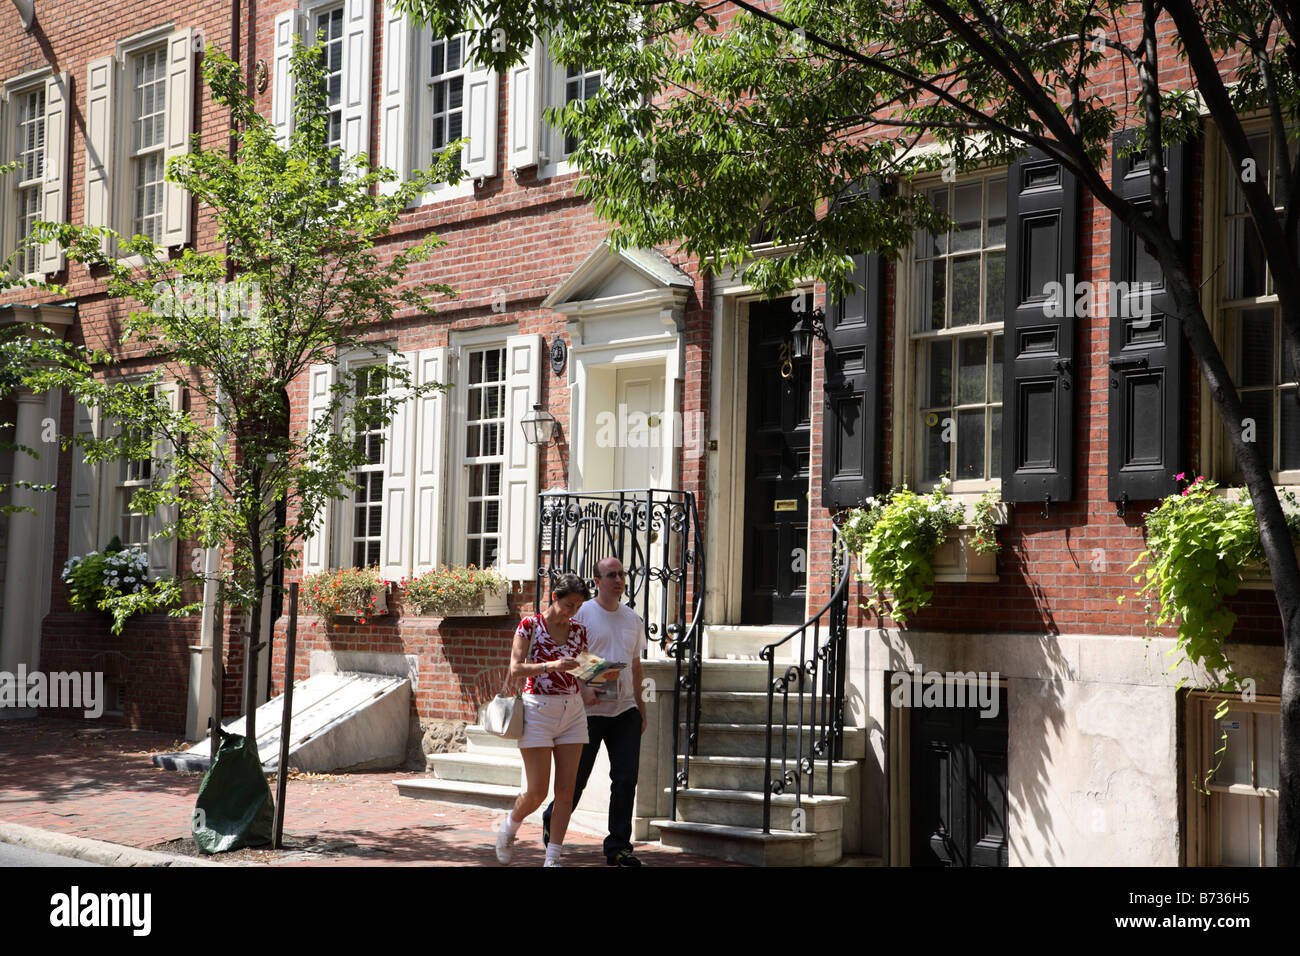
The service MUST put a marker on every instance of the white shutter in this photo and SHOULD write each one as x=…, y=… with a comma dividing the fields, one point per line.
x=286, y=28
x=518, y=559
x=54, y=192
x=315, y=549
x=101, y=75
x=162, y=550
x=178, y=124
x=358, y=15
x=430, y=424
x=398, y=85
x=399, y=468
x=481, y=92
x=83, y=520
x=525, y=123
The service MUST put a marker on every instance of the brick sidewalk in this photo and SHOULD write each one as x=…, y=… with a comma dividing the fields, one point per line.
x=88, y=780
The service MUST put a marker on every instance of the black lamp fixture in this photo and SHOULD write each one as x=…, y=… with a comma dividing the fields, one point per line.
x=540, y=427
x=812, y=325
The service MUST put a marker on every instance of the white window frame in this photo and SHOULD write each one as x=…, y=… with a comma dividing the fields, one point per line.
x=1221, y=310
x=348, y=536
x=421, y=123
x=1204, y=738
x=52, y=185
x=456, y=546
x=908, y=372
x=313, y=14
x=134, y=155
x=555, y=159
x=120, y=155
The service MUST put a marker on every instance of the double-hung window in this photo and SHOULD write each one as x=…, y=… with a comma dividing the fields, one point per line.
x=37, y=135
x=345, y=34
x=445, y=93
x=139, y=106
x=148, y=115
x=368, y=500
x=955, y=332
x=485, y=434
x=580, y=85
x=1235, y=822
x=1252, y=328
x=131, y=526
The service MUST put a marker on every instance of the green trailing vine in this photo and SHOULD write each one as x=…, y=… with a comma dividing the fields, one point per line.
x=896, y=539
x=1198, y=543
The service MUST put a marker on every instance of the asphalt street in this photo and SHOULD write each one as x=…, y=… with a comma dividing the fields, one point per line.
x=13, y=855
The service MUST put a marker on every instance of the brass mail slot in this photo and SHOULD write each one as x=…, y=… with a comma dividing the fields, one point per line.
x=785, y=504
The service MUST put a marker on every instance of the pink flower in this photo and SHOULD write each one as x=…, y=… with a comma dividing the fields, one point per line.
x=1180, y=476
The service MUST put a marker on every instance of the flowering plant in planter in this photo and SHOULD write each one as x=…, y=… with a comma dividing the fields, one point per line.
x=354, y=592
x=116, y=580
x=447, y=591
x=897, y=537
x=985, y=537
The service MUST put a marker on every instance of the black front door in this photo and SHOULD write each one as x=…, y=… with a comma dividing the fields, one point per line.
x=776, y=470
x=959, y=786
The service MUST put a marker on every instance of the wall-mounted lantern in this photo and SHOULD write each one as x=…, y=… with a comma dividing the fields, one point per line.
x=540, y=427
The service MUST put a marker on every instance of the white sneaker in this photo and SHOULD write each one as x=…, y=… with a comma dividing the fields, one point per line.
x=552, y=863
x=505, y=842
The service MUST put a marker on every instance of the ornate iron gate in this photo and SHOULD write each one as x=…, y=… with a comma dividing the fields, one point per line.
x=656, y=534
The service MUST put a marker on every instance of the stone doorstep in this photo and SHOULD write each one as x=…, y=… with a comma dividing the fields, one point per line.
x=746, y=706
x=748, y=845
x=744, y=808
x=750, y=740
x=746, y=773
x=504, y=770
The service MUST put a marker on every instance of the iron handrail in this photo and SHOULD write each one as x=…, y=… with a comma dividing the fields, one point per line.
x=825, y=697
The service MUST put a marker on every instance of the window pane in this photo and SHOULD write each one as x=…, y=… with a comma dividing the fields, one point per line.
x=930, y=293
x=1289, y=452
x=936, y=463
x=1268, y=750
x=995, y=377
x=1258, y=407
x=1255, y=348
x=966, y=217
x=939, y=374
x=966, y=290
x=996, y=230
x=1238, y=829
x=995, y=290
x=1235, y=767
x=1245, y=260
x=971, y=369
x=970, y=444
x=995, y=442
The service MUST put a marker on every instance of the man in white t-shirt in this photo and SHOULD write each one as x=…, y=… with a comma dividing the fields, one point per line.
x=615, y=709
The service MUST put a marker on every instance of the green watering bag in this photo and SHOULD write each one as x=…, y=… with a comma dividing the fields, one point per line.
x=234, y=808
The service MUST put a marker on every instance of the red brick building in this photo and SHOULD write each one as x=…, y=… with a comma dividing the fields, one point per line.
x=1096, y=748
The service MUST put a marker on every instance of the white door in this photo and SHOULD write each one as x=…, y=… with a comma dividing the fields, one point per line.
x=638, y=457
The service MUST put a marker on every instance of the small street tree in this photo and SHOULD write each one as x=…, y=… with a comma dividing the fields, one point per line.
x=718, y=120
x=300, y=278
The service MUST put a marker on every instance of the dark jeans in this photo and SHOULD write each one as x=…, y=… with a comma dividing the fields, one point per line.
x=622, y=737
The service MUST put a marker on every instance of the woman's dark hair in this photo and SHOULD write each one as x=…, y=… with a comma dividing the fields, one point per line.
x=567, y=584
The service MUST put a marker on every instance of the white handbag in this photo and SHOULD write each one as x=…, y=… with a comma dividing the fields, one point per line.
x=504, y=716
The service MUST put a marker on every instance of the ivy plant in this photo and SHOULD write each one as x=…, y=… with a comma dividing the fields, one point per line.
x=896, y=539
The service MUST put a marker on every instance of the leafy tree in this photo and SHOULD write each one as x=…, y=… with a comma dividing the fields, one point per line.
x=722, y=117
x=301, y=274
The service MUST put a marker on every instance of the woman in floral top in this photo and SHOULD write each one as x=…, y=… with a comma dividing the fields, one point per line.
x=555, y=720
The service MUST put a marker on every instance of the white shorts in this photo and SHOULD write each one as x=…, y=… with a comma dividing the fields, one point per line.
x=551, y=719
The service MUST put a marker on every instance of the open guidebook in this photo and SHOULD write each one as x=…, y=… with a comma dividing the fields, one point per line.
x=593, y=669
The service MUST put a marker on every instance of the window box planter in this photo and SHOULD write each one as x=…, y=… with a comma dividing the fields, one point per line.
x=380, y=606
x=495, y=604
x=1255, y=577
x=957, y=560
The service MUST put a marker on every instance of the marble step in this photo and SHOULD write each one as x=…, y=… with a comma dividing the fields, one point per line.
x=750, y=740
x=744, y=808
x=747, y=845
x=746, y=773
x=505, y=770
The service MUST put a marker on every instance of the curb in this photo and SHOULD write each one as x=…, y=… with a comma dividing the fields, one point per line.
x=92, y=851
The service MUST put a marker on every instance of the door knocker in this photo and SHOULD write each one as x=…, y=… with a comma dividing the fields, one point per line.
x=787, y=362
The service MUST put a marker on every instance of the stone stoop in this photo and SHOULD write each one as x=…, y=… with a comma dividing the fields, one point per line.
x=488, y=774
x=721, y=813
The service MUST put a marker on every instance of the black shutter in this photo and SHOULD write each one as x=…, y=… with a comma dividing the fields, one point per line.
x=1038, y=358
x=1146, y=343
x=851, y=428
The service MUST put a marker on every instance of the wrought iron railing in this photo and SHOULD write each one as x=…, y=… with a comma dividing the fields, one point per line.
x=816, y=681
x=656, y=534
